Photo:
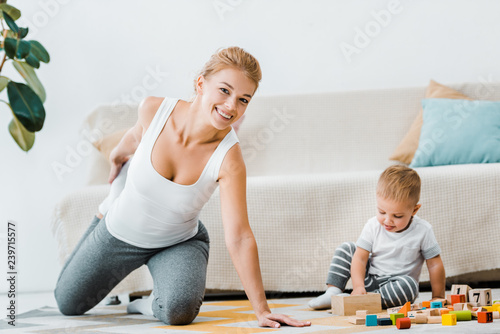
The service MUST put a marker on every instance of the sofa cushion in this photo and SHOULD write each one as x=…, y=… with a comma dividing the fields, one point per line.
x=109, y=142
x=458, y=132
x=408, y=146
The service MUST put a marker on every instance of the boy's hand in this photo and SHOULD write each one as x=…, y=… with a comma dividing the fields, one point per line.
x=358, y=291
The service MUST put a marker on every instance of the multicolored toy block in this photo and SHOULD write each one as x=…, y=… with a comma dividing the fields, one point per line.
x=395, y=316
x=457, y=289
x=457, y=299
x=449, y=320
x=406, y=307
x=481, y=296
x=371, y=320
x=436, y=304
x=403, y=323
x=462, y=315
x=484, y=317
x=384, y=321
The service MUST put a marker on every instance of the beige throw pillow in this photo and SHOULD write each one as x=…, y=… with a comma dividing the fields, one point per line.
x=408, y=146
x=109, y=142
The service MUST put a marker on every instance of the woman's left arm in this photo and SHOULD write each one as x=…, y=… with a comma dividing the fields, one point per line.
x=240, y=240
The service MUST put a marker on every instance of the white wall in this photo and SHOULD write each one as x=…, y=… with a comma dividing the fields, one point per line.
x=104, y=51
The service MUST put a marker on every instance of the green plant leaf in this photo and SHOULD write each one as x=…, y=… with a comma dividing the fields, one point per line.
x=12, y=11
x=10, y=45
x=32, y=61
x=28, y=73
x=23, y=49
x=3, y=83
x=39, y=51
x=24, y=138
x=26, y=105
x=23, y=32
x=10, y=22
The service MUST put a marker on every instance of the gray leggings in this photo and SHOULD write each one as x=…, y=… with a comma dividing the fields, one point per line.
x=100, y=261
x=394, y=290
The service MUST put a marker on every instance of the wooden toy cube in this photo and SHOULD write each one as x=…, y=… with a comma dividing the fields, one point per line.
x=449, y=319
x=356, y=320
x=361, y=314
x=434, y=320
x=457, y=289
x=395, y=316
x=392, y=310
x=371, y=320
x=484, y=317
x=384, y=321
x=481, y=296
x=403, y=323
x=457, y=299
x=426, y=304
x=421, y=318
x=348, y=305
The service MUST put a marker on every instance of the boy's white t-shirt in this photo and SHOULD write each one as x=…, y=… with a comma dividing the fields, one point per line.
x=394, y=254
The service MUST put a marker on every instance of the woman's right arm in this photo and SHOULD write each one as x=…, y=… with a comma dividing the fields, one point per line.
x=358, y=271
x=130, y=141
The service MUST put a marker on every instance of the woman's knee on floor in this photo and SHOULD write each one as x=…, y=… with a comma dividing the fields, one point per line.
x=176, y=311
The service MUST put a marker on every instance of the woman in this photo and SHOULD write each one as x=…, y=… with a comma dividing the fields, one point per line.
x=182, y=152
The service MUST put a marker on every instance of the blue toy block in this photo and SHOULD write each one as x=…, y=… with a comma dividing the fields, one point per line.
x=371, y=320
x=384, y=321
x=436, y=305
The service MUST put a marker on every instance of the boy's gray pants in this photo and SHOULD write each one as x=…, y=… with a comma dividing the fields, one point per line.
x=394, y=290
x=100, y=261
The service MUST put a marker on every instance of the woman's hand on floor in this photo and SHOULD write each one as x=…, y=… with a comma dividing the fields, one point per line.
x=275, y=321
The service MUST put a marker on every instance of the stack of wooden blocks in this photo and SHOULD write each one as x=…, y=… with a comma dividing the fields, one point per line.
x=464, y=304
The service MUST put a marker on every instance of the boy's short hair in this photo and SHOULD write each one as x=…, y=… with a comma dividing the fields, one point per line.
x=399, y=183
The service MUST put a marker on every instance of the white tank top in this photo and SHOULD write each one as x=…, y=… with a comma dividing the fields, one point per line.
x=153, y=211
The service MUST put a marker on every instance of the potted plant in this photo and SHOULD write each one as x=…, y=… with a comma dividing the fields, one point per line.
x=24, y=100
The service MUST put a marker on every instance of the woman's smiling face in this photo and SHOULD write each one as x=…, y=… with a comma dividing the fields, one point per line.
x=226, y=95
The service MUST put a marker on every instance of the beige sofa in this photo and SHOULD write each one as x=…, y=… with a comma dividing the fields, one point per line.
x=313, y=162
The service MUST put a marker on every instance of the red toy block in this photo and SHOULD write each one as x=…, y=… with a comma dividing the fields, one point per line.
x=403, y=323
x=484, y=317
x=457, y=299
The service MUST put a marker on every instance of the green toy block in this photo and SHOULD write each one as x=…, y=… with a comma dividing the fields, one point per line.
x=462, y=315
x=394, y=316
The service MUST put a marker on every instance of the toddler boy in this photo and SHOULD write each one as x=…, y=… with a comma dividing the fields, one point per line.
x=389, y=254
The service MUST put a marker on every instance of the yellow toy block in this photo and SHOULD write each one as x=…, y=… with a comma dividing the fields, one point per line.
x=449, y=319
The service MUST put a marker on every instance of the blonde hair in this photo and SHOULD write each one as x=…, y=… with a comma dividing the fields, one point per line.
x=399, y=183
x=234, y=57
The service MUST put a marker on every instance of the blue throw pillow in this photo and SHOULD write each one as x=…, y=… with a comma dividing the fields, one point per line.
x=458, y=132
